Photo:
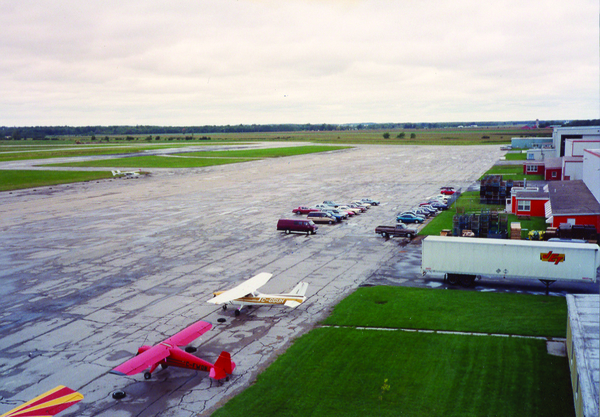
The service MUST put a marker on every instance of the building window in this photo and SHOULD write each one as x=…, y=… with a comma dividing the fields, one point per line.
x=554, y=173
x=524, y=205
x=532, y=168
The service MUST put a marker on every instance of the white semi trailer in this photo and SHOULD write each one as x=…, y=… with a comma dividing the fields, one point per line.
x=463, y=259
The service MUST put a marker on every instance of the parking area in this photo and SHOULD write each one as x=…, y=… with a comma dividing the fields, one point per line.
x=92, y=271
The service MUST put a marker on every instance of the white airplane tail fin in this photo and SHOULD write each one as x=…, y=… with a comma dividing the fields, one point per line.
x=299, y=292
x=300, y=289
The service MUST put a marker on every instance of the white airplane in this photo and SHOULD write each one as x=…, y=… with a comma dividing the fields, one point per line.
x=128, y=174
x=246, y=294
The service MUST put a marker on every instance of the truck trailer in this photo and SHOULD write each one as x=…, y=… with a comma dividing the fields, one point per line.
x=463, y=259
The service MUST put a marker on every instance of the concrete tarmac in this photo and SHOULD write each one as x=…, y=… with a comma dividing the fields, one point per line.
x=91, y=271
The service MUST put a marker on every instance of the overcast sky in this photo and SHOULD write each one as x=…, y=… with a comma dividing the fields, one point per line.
x=198, y=62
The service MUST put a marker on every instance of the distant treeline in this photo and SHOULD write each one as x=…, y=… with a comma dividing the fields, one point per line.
x=40, y=132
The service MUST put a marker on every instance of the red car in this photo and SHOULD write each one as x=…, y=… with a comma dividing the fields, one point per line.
x=304, y=210
x=447, y=190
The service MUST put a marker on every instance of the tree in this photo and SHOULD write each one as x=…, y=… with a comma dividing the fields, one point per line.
x=401, y=135
x=386, y=135
x=413, y=135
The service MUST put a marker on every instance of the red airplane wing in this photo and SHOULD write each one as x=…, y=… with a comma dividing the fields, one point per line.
x=144, y=360
x=47, y=404
x=191, y=333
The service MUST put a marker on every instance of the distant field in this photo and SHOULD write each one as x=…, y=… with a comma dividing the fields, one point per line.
x=20, y=153
x=470, y=136
x=13, y=180
x=352, y=372
x=19, y=179
x=201, y=159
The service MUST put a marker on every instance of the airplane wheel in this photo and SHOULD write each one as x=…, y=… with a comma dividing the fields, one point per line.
x=147, y=375
x=224, y=307
x=164, y=366
x=287, y=231
x=227, y=379
x=117, y=395
x=237, y=313
x=190, y=349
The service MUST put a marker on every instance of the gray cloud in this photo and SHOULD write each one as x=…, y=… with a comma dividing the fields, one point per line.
x=266, y=61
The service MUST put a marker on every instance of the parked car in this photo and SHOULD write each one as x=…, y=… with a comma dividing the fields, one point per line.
x=338, y=217
x=399, y=230
x=304, y=210
x=362, y=203
x=429, y=208
x=323, y=206
x=330, y=203
x=321, y=217
x=423, y=212
x=447, y=190
x=413, y=213
x=370, y=201
x=356, y=206
x=297, y=225
x=349, y=209
x=438, y=204
x=336, y=212
x=409, y=218
x=351, y=212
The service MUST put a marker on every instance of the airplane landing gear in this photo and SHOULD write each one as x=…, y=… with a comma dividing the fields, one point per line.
x=147, y=375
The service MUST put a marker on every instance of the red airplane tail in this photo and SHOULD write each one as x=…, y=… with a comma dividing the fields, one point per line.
x=223, y=366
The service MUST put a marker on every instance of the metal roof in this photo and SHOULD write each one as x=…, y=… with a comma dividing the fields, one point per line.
x=572, y=198
x=584, y=323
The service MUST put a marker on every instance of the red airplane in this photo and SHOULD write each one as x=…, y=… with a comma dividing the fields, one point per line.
x=167, y=353
x=48, y=404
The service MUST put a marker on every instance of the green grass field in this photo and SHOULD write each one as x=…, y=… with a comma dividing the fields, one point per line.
x=438, y=136
x=20, y=179
x=351, y=372
x=515, y=156
x=28, y=179
x=468, y=202
x=8, y=153
x=512, y=172
x=201, y=159
x=464, y=311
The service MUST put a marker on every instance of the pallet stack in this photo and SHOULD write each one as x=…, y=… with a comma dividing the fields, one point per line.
x=515, y=230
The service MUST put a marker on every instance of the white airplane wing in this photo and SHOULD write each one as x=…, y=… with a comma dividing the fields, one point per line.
x=243, y=289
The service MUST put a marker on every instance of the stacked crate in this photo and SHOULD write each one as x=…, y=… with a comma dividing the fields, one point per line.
x=493, y=190
x=515, y=230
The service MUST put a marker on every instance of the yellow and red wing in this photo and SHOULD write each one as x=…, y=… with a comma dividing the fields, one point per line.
x=47, y=404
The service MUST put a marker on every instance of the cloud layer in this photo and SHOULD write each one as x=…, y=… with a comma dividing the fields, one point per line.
x=201, y=62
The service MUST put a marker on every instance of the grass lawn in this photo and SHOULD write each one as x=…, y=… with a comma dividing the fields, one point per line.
x=521, y=156
x=19, y=179
x=512, y=172
x=468, y=202
x=153, y=162
x=534, y=223
x=270, y=152
x=351, y=372
x=201, y=159
x=465, y=311
x=8, y=153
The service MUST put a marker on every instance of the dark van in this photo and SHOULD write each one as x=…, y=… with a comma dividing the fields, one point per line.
x=299, y=225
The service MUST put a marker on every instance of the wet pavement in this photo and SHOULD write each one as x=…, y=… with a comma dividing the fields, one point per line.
x=92, y=271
